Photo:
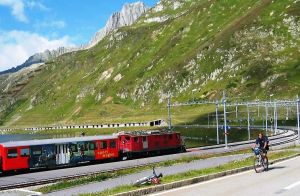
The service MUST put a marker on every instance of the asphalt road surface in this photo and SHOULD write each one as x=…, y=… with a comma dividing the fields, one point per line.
x=282, y=179
x=60, y=173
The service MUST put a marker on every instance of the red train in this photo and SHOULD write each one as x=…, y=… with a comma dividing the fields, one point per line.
x=51, y=153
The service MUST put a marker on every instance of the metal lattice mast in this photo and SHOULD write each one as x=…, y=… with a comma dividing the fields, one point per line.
x=217, y=123
x=298, y=119
x=169, y=112
x=225, y=120
x=266, y=119
x=248, y=118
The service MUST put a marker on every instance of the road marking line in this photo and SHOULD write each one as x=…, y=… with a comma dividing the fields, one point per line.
x=292, y=185
x=216, y=179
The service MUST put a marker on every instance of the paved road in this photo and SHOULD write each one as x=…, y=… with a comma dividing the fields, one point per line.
x=130, y=179
x=282, y=179
x=60, y=173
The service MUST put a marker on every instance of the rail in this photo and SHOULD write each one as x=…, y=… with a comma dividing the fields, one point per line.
x=289, y=138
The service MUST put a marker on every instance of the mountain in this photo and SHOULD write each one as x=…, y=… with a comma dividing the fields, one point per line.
x=127, y=16
x=188, y=48
x=39, y=58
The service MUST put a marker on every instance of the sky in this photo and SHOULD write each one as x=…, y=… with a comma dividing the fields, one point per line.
x=31, y=26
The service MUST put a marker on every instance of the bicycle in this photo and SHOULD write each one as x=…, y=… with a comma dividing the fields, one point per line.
x=152, y=179
x=261, y=162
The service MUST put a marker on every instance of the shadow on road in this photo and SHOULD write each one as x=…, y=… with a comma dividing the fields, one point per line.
x=276, y=167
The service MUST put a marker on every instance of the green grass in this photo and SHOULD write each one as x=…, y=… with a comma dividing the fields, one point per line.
x=231, y=36
x=197, y=173
x=104, y=176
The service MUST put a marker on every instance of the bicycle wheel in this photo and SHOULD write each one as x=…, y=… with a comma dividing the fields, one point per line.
x=258, y=167
x=266, y=163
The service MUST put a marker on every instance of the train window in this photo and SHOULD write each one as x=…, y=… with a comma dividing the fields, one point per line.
x=36, y=150
x=73, y=148
x=127, y=138
x=144, y=139
x=103, y=144
x=82, y=147
x=96, y=146
x=136, y=139
x=24, y=152
x=91, y=146
x=12, y=153
x=170, y=137
x=86, y=146
x=112, y=144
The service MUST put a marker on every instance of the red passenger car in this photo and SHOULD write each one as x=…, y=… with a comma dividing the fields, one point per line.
x=14, y=158
x=51, y=153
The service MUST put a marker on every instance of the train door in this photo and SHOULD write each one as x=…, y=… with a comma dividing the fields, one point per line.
x=145, y=142
x=35, y=154
x=62, y=154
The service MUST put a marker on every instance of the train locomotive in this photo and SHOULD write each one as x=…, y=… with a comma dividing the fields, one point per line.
x=52, y=153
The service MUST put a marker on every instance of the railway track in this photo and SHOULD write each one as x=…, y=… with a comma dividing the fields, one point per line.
x=27, y=180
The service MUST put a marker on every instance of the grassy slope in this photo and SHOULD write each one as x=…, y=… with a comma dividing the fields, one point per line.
x=244, y=47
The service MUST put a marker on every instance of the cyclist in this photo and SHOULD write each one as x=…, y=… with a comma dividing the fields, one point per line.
x=263, y=143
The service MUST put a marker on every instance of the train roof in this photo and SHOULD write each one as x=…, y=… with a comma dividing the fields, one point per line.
x=56, y=141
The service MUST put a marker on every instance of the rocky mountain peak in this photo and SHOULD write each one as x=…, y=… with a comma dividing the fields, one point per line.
x=127, y=16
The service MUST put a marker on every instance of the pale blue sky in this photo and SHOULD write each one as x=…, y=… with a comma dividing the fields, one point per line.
x=29, y=26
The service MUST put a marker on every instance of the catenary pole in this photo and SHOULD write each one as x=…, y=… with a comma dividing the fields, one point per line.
x=217, y=123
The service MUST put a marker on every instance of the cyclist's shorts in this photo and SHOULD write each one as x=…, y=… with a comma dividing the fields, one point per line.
x=264, y=150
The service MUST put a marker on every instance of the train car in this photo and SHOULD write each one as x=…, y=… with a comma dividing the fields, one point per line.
x=143, y=143
x=51, y=153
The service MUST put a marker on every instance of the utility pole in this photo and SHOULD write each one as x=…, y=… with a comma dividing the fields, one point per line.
x=275, y=117
x=225, y=120
x=263, y=121
x=249, y=137
x=298, y=119
x=217, y=123
x=194, y=90
x=169, y=111
x=236, y=111
x=266, y=119
x=208, y=120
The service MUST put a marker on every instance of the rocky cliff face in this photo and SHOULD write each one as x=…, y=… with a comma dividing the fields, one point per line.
x=127, y=16
x=47, y=55
x=41, y=58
